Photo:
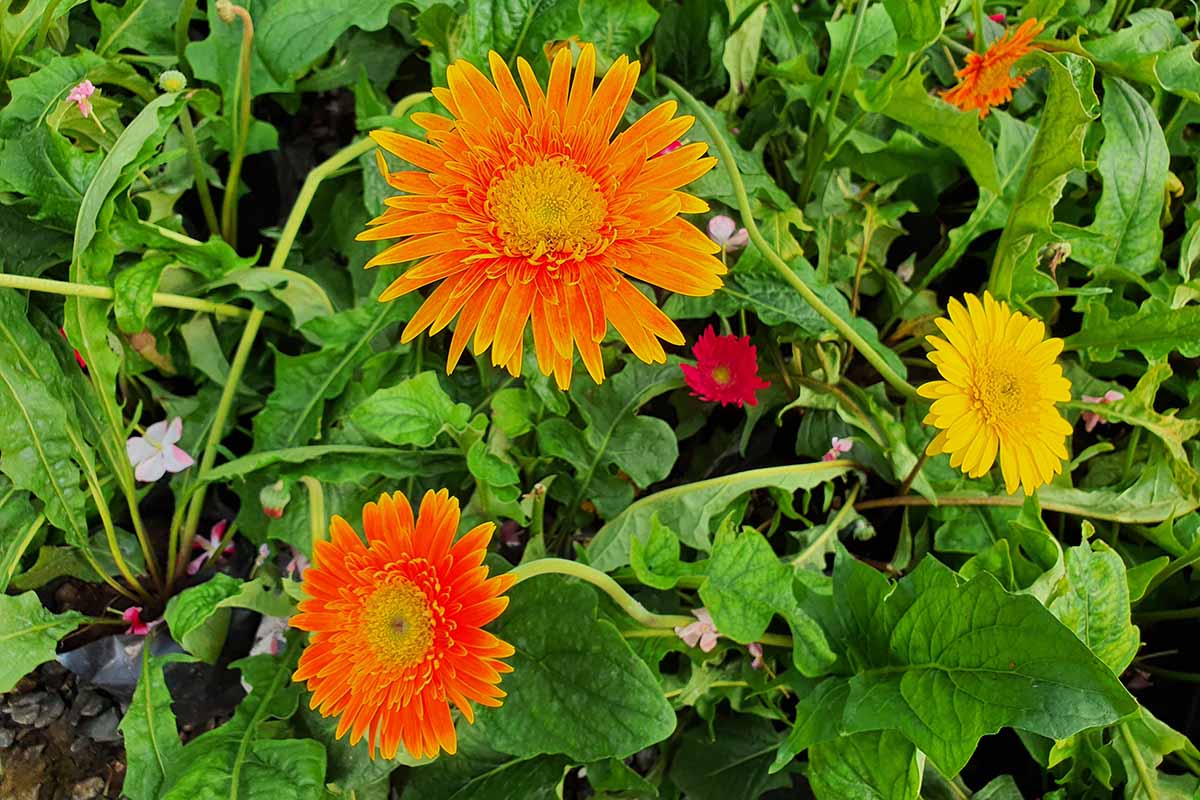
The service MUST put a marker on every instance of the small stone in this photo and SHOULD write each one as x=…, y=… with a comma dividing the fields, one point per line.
x=6, y=738
x=89, y=703
x=87, y=790
x=102, y=728
x=49, y=710
x=26, y=708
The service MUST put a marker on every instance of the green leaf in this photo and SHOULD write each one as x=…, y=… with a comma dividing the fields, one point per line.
x=1141, y=743
x=576, y=687
x=215, y=58
x=879, y=765
x=512, y=411
x=1155, y=330
x=690, y=508
x=351, y=767
x=617, y=27
x=516, y=28
x=35, y=96
x=479, y=772
x=19, y=526
x=742, y=47
x=338, y=463
x=1126, y=232
x=655, y=559
x=29, y=635
x=1095, y=604
x=747, y=585
x=819, y=709
x=151, y=739
x=946, y=663
x=1002, y=788
x=728, y=762
x=910, y=104
x=1070, y=107
x=50, y=172
x=197, y=619
x=35, y=427
x=918, y=23
x=292, y=34
x=259, y=595
x=1138, y=409
x=133, y=292
x=19, y=27
x=242, y=758
x=143, y=26
x=413, y=411
x=56, y=562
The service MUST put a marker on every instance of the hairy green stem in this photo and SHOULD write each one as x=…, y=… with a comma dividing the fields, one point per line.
x=228, y=11
x=162, y=299
x=206, y=203
x=283, y=248
x=842, y=326
x=637, y=611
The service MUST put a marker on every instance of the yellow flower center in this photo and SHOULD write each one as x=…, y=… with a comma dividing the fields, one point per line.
x=721, y=375
x=548, y=208
x=397, y=624
x=999, y=393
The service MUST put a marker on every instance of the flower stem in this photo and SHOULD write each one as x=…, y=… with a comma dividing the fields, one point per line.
x=206, y=203
x=316, y=511
x=229, y=204
x=735, y=178
x=182, y=21
x=287, y=238
x=561, y=566
x=1139, y=763
x=977, y=14
x=162, y=299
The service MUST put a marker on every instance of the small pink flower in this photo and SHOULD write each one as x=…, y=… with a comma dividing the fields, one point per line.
x=1090, y=418
x=725, y=232
x=210, y=547
x=671, y=148
x=297, y=565
x=756, y=650
x=998, y=18
x=155, y=453
x=79, y=96
x=702, y=632
x=839, y=446
x=133, y=615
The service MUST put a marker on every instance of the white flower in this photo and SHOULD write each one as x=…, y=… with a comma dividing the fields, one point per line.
x=155, y=454
x=725, y=232
x=702, y=632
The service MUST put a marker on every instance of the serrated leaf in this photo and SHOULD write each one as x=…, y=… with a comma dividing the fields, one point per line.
x=413, y=411
x=946, y=663
x=1133, y=163
x=576, y=687
x=690, y=507
x=240, y=759
x=880, y=765
x=1155, y=330
x=151, y=738
x=1095, y=604
x=29, y=635
x=1070, y=107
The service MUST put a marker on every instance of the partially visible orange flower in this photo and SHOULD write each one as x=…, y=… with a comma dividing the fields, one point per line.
x=527, y=209
x=987, y=79
x=398, y=626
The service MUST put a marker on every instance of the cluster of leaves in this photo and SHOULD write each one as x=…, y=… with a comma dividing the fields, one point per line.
x=898, y=631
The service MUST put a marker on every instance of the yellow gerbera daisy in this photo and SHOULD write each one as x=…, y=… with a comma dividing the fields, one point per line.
x=1000, y=387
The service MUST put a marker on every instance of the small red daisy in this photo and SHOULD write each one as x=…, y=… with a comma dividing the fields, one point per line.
x=726, y=369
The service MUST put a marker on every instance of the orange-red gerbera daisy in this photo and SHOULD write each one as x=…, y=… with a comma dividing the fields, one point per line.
x=398, y=626
x=527, y=208
x=987, y=79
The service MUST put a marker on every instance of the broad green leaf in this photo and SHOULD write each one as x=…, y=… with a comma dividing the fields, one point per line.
x=1141, y=743
x=1095, y=604
x=259, y=595
x=35, y=427
x=689, y=508
x=512, y=411
x=689, y=43
x=19, y=526
x=910, y=104
x=197, y=619
x=515, y=28
x=741, y=50
x=244, y=757
x=151, y=738
x=35, y=96
x=918, y=23
x=204, y=348
x=1154, y=496
x=727, y=762
x=1138, y=408
x=19, y=24
x=613, y=775
x=413, y=411
x=48, y=171
x=29, y=635
x=1002, y=788
x=747, y=585
x=1070, y=107
x=819, y=709
x=479, y=772
x=617, y=27
x=303, y=297
x=351, y=767
x=133, y=292
x=143, y=26
x=880, y=765
x=1133, y=163
x=337, y=463
x=1155, y=330
x=576, y=687
x=292, y=34
x=215, y=58
x=55, y=562
x=1033, y=557
x=946, y=663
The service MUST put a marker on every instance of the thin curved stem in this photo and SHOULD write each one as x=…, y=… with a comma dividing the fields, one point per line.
x=819, y=544
x=637, y=611
x=735, y=178
x=283, y=248
x=162, y=299
x=206, y=203
x=234, y=179
x=1139, y=763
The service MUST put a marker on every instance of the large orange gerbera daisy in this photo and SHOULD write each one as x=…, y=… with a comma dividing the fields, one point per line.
x=987, y=79
x=527, y=208
x=398, y=626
